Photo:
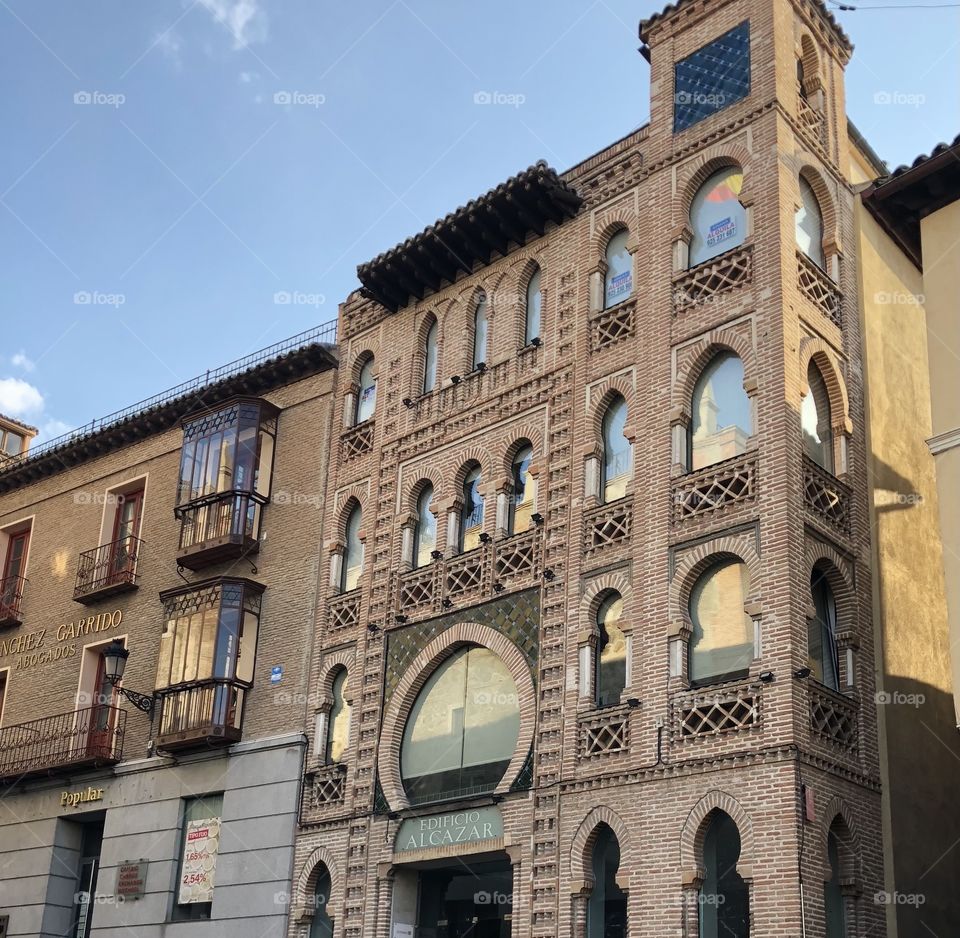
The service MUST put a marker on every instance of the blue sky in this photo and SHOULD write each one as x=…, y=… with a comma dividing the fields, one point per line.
x=169, y=168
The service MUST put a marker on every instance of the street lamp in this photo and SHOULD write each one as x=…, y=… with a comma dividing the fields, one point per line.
x=114, y=663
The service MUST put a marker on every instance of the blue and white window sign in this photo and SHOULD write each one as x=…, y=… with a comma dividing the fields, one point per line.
x=276, y=674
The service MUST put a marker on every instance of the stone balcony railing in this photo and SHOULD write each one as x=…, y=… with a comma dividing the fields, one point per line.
x=718, y=486
x=710, y=711
x=357, y=440
x=701, y=284
x=323, y=786
x=812, y=121
x=604, y=732
x=817, y=286
x=510, y=563
x=344, y=610
x=833, y=716
x=826, y=497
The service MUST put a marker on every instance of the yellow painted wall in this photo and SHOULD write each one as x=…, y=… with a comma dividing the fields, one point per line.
x=918, y=733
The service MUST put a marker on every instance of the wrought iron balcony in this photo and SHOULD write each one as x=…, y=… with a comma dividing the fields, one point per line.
x=11, y=593
x=201, y=713
x=218, y=527
x=107, y=569
x=68, y=741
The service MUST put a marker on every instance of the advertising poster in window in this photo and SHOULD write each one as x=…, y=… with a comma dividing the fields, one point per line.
x=620, y=286
x=199, y=860
x=721, y=231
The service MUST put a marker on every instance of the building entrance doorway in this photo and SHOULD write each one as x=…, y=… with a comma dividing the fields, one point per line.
x=465, y=900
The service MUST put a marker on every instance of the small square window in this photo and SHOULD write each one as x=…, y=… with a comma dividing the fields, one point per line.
x=712, y=78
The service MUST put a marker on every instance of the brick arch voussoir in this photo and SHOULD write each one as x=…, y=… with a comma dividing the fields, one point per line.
x=620, y=219
x=527, y=433
x=345, y=502
x=309, y=872
x=615, y=581
x=699, y=560
x=344, y=659
x=367, y=349
x=838, y=808
x=825, y=197
x=604, y=394
x=433, y=654
x=705, y=350
x=695, y=827
x=427, y=473
x=703, y=166
x=466, y=458
x=581, y=849
x=817, y=350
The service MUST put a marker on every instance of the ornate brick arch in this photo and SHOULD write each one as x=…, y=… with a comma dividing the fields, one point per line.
x=696, y=357
x=699, y=169
x=825, y=359
x=424, y=321
x=581, y=850
x=528, y=433
x=369, y=349
x=850, y=863
x=696, y=561
x=458, y=636
x=695, y=828
x=345, y=501
x=617, y=220
x=307, y=880
x=615, y=580
x=826, y=200
x=467, y=457
x=600, y=397
x=330, y=664
x=427, y=473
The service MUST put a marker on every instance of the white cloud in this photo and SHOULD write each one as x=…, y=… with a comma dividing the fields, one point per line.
x=247, y=77
x=244, y=19
x=18, y=398
x=170, y=44
x=20, y=360
x=49, y=429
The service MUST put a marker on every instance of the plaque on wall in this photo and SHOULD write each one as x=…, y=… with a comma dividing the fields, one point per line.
x=131, y=879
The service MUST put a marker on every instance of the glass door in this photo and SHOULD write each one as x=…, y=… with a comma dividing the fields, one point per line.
x=90, y=844
x=126, y=529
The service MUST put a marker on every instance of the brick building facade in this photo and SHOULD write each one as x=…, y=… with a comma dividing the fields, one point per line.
x=112, y=821
x=604, y=433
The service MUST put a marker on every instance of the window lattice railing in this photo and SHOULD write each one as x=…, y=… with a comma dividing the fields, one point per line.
x=357, y=440
x=725, y=483
x=612, y=325
x=826, y=496
x=712, y=278
x=833, y=717
x=812, y=121
x=819, y=289
x=711, y=712
x=604, y=733
x=344, y=610
x=325, y=786
x=606, y=525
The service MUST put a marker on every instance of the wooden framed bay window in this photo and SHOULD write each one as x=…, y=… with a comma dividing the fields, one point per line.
x=206, y=665
x=226, y=467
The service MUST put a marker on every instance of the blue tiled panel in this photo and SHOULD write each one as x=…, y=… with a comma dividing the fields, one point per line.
x=712, y=78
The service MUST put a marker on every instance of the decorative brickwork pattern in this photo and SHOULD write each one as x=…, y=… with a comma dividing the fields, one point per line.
x=709, y=712
x=606, y=525
x=718, y=486
x=604, y=734
x=357, y=440
x=833, y=717
x=704, y=282
x=819, y=289
x=826, y=497
x=612, y=325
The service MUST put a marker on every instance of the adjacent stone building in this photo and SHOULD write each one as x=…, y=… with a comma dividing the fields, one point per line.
x=186, y=529
x=596, y=654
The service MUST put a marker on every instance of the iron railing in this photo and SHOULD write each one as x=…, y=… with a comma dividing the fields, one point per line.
x=108, y=568
x=199, y=712
x=88, y=737
x=232, y=514
x=11, y=593
x=325, y=334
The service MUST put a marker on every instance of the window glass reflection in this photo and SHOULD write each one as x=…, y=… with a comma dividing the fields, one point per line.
x=612, y=652
x=425, y=532
x=617, y=452
x=720, y=407
x=721, y=647
x=815, y=420
x=618, y=282
x=717, y=219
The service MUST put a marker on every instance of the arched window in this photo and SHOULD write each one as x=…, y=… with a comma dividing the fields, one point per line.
x=430, y=359
x=617, y=451
x=425, y=531
x=720, y=410
x=367, y=395
x=480, y=328
x=717, y=219
x=322, y=925
x=808, y=223
x=471, y=515
x=607, y=905
x=524, y=497
x=822, y=631
x=832, y=888
x=724, y=896
x=611, y=651
x=462, y=730
x=721, y=647
x=534, y=302
x=338, y=723
x=618, y=283
x=816, y=419
x=353, y=553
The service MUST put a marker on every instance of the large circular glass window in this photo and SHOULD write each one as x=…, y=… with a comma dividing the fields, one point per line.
x=462, y=731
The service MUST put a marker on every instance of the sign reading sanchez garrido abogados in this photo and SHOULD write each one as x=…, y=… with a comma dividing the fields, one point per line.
x=41, y=646
x=446, y=830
